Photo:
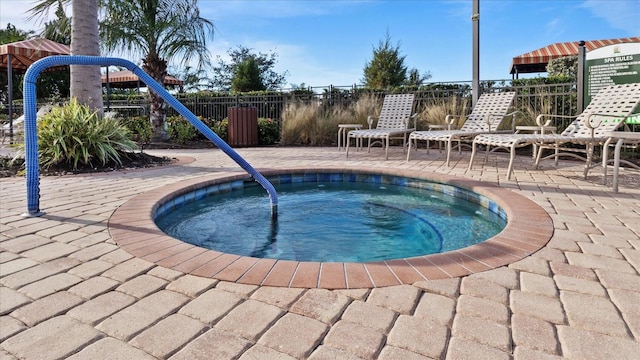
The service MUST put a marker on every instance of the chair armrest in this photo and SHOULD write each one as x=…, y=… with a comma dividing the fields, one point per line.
x=489, y=116
x=513, y=119
x=540, y=117
x=451, y=118
x=370, y=121
x=415, y=121
x=594, y=120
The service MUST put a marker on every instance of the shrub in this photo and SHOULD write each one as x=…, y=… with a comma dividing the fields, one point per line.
x=221, y=128
x=73, y=134
x=367, y=105
x=436, y=112
x=140, y=128
x=297, y=120
x=268, y=131
x=180, y=130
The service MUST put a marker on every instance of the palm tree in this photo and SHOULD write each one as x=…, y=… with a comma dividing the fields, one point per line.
x=85, y=80
x=86, y=85
x=161, y=31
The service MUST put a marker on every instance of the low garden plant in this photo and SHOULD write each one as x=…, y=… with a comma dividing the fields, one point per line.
x=73, y=135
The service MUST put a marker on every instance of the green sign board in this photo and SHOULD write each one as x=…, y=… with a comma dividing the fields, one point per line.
x=611, y=65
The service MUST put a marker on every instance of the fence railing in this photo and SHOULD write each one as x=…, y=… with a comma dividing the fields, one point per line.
x=559, y=99
x=531, y=100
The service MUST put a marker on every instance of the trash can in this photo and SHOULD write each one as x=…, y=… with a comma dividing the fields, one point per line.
x=243, y=126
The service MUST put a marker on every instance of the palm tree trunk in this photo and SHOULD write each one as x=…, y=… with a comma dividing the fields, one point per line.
x=86, y=85
x=157, y=68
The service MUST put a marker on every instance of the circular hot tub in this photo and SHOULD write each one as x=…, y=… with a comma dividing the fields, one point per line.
x=528, y=227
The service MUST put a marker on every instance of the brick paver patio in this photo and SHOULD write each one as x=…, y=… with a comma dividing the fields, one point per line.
x=69, y=291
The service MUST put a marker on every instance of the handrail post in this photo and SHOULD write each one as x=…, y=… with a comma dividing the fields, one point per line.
x=31, y=132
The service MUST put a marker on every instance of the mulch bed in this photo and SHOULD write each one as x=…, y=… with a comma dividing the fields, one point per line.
x=137, y=160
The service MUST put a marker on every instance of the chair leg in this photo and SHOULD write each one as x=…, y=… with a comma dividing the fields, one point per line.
x=409, y=148
x=512, y=156
x=347, y=145
x=587, y=166
x=448, y=150
x=386, y=150
x=605, y=158
x=616, y=164
x=539, y=155
x=473, y=154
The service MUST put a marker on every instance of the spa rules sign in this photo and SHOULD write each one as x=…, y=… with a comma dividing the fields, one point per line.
x=611, y=65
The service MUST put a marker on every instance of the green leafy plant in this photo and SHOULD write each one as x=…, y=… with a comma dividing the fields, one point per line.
x=72, y=134
x=221, y=128
x=140, y=128
x=180, y=130
x=268, y=131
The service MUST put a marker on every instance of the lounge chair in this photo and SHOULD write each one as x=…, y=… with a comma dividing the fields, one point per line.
x=607, y=112
x=486, y=117
x=393, y=123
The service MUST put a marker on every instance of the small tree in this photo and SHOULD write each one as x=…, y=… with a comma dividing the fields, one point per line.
x=386, y=69
x=11, y=34
x=224, y=73
x=58, y=30
x=247, y=77
x=565, y=66
x=415, y=79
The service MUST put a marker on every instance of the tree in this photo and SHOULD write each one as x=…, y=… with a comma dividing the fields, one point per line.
x=58, y=30
x=247, y=77
x=386, y=69
x=161, y=31
x=192, y=78
x=565, y=66
x=86, y=85
x=224, y=73
x=415, y=79
x=11, y=34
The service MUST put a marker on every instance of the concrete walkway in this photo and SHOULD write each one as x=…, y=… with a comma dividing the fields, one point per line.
x=68, y=291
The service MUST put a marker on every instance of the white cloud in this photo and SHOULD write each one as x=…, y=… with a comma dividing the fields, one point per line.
x=619, y=14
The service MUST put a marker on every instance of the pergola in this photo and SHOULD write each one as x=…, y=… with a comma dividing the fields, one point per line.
x=18, y=56
x=536, y=61
x=125, y=79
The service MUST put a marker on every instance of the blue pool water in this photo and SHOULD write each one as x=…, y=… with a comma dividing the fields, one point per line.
x=332, y=222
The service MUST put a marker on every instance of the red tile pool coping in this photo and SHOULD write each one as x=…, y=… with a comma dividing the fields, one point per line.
x=528, y=229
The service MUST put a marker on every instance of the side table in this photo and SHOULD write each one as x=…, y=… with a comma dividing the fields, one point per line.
x=343, y=130
x=621, y=136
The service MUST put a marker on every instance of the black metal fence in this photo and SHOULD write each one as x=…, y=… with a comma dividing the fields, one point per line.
x=560, y=99
x=557, y=99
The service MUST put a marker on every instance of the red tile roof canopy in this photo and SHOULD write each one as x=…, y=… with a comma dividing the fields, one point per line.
x=26, y=52
x=127, y=79
x=537, y=60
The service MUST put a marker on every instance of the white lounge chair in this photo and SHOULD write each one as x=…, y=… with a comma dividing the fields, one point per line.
x=486, y=117
x=607, y=112
x=393, y=123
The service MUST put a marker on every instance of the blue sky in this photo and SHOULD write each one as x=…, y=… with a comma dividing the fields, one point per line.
x=329, y=42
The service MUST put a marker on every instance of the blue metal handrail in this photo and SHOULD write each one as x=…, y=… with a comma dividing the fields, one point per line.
x=31, y=131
